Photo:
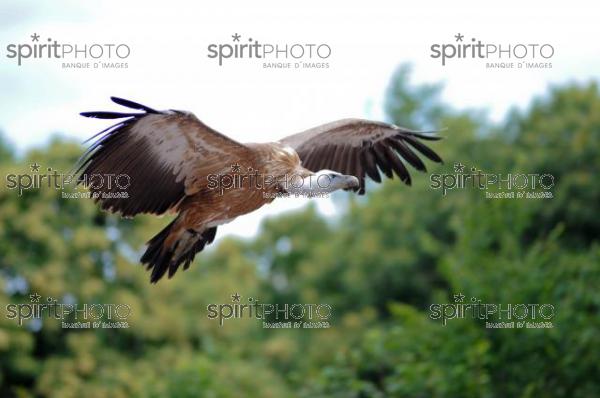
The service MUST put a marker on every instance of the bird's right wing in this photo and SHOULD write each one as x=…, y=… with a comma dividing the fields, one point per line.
x=362, y=148
x=162, y=156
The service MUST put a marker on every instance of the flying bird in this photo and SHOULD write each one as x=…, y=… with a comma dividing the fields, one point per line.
x=176, y=164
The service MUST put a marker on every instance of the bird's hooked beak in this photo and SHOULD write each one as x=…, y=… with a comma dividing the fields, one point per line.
x=351, y=182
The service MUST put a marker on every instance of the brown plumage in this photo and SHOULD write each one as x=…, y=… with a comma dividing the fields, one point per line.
x=174, y=163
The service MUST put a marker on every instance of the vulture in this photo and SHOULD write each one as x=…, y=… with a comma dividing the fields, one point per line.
x=170, y=162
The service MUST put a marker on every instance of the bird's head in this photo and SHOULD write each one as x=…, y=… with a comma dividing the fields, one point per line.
x=332, y=180
x=322, y=182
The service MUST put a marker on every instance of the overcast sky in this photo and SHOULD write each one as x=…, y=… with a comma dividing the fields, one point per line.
x=169, y=68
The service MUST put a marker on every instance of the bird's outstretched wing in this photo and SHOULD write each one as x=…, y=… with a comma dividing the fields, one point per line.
x=362, y=147
x=162, y=156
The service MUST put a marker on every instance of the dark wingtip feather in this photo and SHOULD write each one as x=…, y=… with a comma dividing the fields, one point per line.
x=428, y=137
x=108, y=115
x=423, y=149
x=431, y=135
x=106, y=130
x=132, y=105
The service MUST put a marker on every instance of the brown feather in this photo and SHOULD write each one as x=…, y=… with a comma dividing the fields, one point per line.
x=404, y=151
x=368, y=160
x=382, y=161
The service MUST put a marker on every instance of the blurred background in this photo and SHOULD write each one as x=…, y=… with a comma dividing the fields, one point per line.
x=379, y=261
x=380, y=265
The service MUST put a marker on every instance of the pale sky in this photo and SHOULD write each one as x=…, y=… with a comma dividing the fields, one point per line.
x=169, y=68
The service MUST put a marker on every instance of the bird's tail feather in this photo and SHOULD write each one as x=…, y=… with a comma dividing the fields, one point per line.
x=161, y=255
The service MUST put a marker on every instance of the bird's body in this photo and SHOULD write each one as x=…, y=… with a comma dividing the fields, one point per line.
x=176, y=164
x=245, y=191
x=214, y=206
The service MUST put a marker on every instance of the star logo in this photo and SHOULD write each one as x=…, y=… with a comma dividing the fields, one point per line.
x=35, y=167
x=459, y=167
x=35, y=298
x=236, y=168
x=236, y=37
x=459, y=37
x=35, y=37
x=235, y=297
x=459, y=298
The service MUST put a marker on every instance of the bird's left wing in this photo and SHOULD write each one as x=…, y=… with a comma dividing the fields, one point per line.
x=359, y=147
x=160, y=156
